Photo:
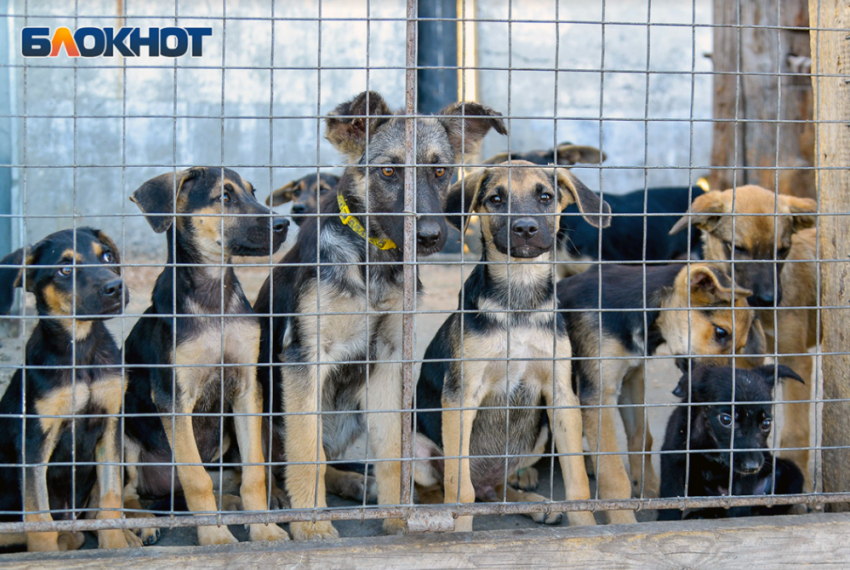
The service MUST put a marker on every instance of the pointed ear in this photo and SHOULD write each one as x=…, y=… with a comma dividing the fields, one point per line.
x=11, y=269
x=771, y=371
x=596, y=212
x=466, y=125
x=156, y=197
x=803, y=207
x=353, y=122
x=569, y=153
x=497, y=158
x=692, y=384
x=752, y=355
x=107, y=241
x=282, y=195
x=703, y=213
x=710, y=285
x=463, y=198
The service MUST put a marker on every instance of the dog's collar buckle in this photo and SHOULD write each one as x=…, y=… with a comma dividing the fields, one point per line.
x=346, y=218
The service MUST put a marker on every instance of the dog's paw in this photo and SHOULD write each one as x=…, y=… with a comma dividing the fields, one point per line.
x=70, y=540
x=321, y=530
x=394, y=526
x=268, y=533
x=133, y=539
x=215, y=535
x=113, y=538
x=148, y=536
x=549, y=519
x=525, y=479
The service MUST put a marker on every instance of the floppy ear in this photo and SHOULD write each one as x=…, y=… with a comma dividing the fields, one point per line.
x=596, y=212
x=569, y=153
x=282, y=195
x=156, y=197
x=771, y=371
x=703, y=212
x=467, y=123
x=709, y=285
x=107, y=241
x=349, y=126
x=803, y=207
x=11, y=269
x=463, y=198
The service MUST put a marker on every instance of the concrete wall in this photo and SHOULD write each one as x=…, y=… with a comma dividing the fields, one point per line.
x=136, y=118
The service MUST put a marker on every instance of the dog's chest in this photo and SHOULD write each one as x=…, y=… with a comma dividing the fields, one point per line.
x=521, y=353
x=87, y=394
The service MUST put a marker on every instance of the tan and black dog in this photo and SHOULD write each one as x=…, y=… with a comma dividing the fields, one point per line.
x=508, y=305
x=306, y=192
x=360, y=303
x=639, y=316
x=780, y=230
x=75, y=276
x=202, y=359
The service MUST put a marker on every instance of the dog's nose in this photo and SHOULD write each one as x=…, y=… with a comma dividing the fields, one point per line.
x=299, y=208
x=428, y=236
x=112, y=288
x=752, y=464
x=763, y=299
x=279, y=224
x=525, y=227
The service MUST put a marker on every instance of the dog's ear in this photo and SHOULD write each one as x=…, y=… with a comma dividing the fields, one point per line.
x=157, y=196
x=755, y=348
x=350, y=125
x=11, y=269
x=710, y=285
x=771, y=371
x=467, y=123
x=595, y=211
x=694, y=381
x=463, y=198
x=704, y=213
x=497, y=158
x=803, y=208
x=101, y=236
x=282, y=195
x=569, y=153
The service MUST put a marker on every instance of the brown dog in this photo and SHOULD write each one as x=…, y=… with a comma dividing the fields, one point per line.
x=762, y=245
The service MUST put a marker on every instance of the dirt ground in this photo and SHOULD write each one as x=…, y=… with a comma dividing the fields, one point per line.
x=442, y=283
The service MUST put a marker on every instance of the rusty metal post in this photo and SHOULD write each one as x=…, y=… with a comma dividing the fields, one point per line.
x=409, y=302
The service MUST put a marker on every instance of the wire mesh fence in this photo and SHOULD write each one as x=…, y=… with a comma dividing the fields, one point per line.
x=450, y=306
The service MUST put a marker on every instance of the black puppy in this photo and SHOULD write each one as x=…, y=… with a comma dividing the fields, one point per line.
x=711, y=438
x=77, y=285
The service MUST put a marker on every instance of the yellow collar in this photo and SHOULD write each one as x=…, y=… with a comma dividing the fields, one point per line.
x=358, y=228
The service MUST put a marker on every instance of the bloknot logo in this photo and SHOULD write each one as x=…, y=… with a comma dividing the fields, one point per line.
x=107, y=42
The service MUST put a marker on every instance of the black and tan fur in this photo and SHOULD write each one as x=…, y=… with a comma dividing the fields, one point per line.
x=509, y=309
x=76, y=279
x=294, y=338
x=306, y=193
x=762, y=244
x=565, y=154
x=200, y=239
x=644, y=316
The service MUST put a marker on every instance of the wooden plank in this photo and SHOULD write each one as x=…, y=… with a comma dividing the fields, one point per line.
x=832, y=103
x=774, y=542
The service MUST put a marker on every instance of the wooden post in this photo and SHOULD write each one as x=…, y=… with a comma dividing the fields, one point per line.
x=832, y=113
x=758, y=54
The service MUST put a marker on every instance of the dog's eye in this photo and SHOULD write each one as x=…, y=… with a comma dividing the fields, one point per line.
x=495, y=199
x=64, y=271
x=766, y=423
x=107, y=257
x=439, y=172
x=720, y=333
x=388, y=172
x=225, y=198
x=297, y=193
x=545, y=197
x=322, y=190
x=739, y=251
x=725, y=420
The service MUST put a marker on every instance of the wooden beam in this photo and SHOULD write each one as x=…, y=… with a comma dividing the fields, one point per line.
x=832, y=111
x=770, y=542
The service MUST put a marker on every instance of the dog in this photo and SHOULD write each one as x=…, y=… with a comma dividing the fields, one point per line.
x=75, y=276
x=191, y=207
x=305, y=192
x=706, y=430
x=638, y=318
x=344, y=288
x=762, y=243
x=511, y=296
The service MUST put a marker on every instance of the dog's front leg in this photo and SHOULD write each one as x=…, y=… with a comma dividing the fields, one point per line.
x=305, y=475
x=385, y=388
x=36, y=498
x=110, y=488
x=196, y=482
x=633, y=413
x=457, y=431
x=565, y=419
x=248, y=405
